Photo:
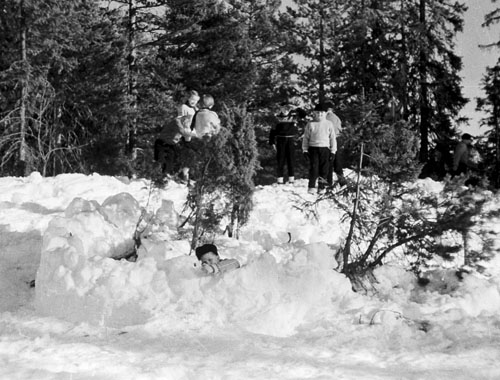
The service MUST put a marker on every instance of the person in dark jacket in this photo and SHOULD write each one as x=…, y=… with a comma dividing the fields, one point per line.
x=282, y=138
x=461, y=155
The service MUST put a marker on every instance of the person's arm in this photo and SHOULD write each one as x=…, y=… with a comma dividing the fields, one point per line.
x=181, y=116
x=215, y=123
x=459, y=152
x=222, y=266
x=228, y=265
x=184, y=121
x=333, y=138
x=305, y=138
x=193, y=121
x=272, y=136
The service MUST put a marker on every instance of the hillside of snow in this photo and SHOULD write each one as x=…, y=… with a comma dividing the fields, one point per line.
x=287, y=313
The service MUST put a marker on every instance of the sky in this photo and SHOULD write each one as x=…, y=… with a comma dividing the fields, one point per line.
x=476, y=59
x=286, y=314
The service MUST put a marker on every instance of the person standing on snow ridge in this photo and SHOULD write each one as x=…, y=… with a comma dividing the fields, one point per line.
x=461, y=155
x=337, y=165
x=167, y=146
x=282, y=139
x=211, y=263
x=319, y=145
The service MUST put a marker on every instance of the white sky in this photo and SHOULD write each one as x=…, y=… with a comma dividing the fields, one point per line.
x=476, y=59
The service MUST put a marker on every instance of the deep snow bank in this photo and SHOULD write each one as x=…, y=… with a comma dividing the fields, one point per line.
x=272, y=293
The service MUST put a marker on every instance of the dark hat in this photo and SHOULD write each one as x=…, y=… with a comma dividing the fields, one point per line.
x=329, y=104
x=466, y=136
x=321, y=107
x=300, y=112
x=206, y=248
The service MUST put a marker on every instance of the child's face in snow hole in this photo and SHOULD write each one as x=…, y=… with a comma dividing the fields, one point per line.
x=210, y=258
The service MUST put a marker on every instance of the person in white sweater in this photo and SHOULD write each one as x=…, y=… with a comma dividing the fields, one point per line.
x=319, y=145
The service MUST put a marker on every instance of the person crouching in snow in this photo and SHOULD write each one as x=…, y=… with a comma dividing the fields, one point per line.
x=211, y=263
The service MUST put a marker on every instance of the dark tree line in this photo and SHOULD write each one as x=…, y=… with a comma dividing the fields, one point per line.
x=86, y=85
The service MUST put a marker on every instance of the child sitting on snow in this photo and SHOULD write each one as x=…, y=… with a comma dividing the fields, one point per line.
x=211, y=263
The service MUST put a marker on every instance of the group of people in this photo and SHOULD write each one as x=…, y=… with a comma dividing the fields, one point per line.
x=321, y=145
x=194, y=120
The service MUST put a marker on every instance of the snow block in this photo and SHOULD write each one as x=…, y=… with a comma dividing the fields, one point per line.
x=77, y=278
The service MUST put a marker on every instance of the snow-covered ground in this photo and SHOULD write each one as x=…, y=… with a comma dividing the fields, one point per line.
x=285, y=314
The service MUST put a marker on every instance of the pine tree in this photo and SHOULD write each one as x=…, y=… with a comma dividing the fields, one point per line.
x=491, y=105
x=230, y=49
x=224, y=168
x=73, y=87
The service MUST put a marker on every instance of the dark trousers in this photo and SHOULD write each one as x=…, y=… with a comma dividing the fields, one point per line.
x=285, y=153
x=462, y=169
x=168, y=156
x=318, y=166
x=337, y=165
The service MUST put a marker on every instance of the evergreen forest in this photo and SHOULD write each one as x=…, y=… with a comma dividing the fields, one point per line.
x=86, y=85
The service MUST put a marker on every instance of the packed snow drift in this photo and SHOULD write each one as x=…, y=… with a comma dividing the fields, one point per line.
x=287, y=313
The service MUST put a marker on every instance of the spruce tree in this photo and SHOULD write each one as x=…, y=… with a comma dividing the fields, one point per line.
x=490, y=104
x=224, y=167
x=74, y=91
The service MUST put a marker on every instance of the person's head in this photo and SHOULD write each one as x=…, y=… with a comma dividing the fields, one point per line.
x=192, y=98
x=320, y=111
x=298, y=113
x=207, y=254
x=207, y=101
x=329, y=106
x=466, y=138
x=284, y=110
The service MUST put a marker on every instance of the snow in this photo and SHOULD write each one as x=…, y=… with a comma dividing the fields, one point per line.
x=285, y=314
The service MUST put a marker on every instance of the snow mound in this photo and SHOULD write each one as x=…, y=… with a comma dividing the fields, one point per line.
x=272, y=293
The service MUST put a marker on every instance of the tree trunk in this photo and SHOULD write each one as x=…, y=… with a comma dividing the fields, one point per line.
x=424, y=106
x=347, y=247
x=132, y=78
x=23, y=159
x=321, y=94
